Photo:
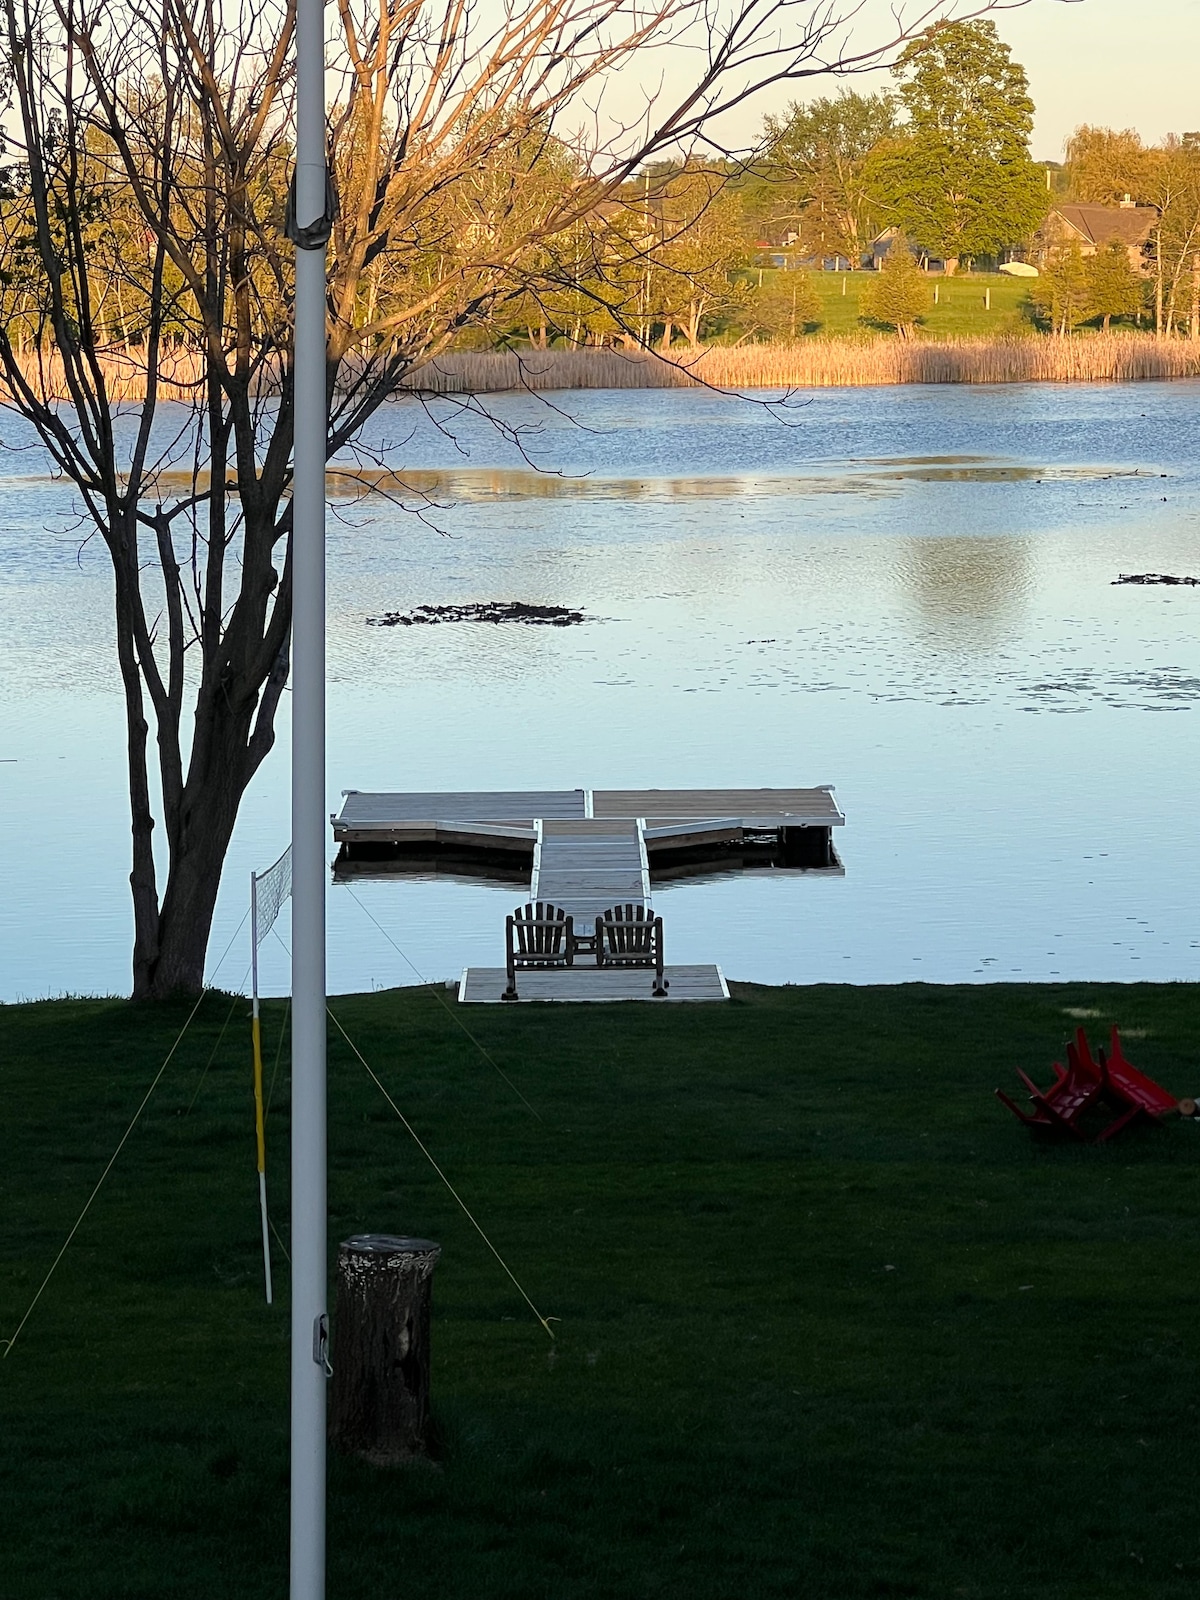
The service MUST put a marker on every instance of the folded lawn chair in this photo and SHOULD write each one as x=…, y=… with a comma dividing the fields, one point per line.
x=631, y=936
x=1075, y=1090
x=538, y=936
x=1084, y=1086
x=1135, y=1086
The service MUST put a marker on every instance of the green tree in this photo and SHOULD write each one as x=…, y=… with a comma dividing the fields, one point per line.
x=1114, y=286
x=900, y=293
x=815, y=160
x=1106, y=164
x=960, y=181
x=784, y=305
x=703, y=245
x=1061, y=294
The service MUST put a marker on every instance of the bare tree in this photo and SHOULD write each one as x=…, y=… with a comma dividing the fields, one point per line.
x=1175, y=239
x=152, y=163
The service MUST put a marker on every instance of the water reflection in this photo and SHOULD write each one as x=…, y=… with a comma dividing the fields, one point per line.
x=474, y=485
x=968, y=591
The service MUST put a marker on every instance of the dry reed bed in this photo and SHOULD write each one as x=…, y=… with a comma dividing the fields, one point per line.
x=815, y=363
x=823, y=364
x=180, y=374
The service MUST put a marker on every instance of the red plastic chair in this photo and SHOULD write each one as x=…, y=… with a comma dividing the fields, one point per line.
x=1133, y=1085
x=1085, y=1084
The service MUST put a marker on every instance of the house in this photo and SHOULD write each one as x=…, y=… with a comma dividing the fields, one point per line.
x=883, y=242
x=1092, y=227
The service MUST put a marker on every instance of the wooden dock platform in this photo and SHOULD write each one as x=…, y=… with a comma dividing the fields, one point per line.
x=484, y=986
x=371, y=825
x=588, y=851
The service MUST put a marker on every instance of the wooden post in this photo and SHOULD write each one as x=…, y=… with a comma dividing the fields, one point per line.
x=379, y=1400
x=987, y=298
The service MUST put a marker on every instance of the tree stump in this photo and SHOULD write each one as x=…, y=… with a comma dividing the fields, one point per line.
x=379, y=1401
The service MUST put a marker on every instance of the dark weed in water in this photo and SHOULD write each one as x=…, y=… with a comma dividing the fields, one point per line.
x=1153, y=577
x=482, y=611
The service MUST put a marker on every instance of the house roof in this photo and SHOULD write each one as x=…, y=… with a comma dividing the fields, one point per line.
x=1098, y=224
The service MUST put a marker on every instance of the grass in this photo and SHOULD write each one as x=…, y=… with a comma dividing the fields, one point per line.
x=831, y=1324
x=960, y=311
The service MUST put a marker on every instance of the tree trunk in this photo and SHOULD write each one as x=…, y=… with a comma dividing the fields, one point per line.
x=185, y=921
x=142, y=880
x=1194, y=319
x=171, y=940
x=379, y=1404
x=950, y=266
x=1171, y=311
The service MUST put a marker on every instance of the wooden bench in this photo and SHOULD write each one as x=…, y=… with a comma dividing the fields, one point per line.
x=537, y=936
x=631, y=936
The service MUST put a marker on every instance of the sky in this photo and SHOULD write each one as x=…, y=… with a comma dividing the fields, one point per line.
x=1107, y=62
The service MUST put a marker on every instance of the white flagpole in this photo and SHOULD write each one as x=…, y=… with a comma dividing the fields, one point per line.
x=259, y=1121
x=309, y=1319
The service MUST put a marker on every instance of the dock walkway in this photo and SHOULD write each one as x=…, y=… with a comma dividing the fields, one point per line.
x=588, y=865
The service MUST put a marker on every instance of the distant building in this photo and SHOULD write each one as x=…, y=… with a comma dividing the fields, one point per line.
x=883, y=243
x=1093, y=227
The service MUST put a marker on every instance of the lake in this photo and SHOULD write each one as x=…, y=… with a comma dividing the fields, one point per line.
x=907, y=593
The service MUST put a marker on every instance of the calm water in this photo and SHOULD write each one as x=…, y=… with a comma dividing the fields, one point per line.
x=904, y=592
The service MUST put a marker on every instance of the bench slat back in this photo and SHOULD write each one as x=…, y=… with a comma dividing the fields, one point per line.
x=627, y=931
x=540, y=929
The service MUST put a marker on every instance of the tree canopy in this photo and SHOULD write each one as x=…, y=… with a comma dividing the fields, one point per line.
x=816, y=157
x=959, y=180
x=1106, y=164
x=1175, y=242
x=1114, y=287
x=1062, y=293
x=899, y=293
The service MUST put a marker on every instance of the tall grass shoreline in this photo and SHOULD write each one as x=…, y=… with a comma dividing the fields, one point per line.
x=822, y=363
x=812, y=363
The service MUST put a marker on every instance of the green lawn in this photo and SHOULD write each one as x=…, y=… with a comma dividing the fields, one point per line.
x=960, y=308
x=831, y=1323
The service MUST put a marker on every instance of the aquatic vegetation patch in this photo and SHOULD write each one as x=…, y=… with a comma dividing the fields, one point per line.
x=1153, y=577
x=496, y=611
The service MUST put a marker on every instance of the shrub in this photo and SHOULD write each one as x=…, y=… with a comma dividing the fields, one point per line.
x=784, y=305
x=900, y=293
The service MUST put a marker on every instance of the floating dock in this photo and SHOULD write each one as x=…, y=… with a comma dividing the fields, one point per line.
x=586, y=851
